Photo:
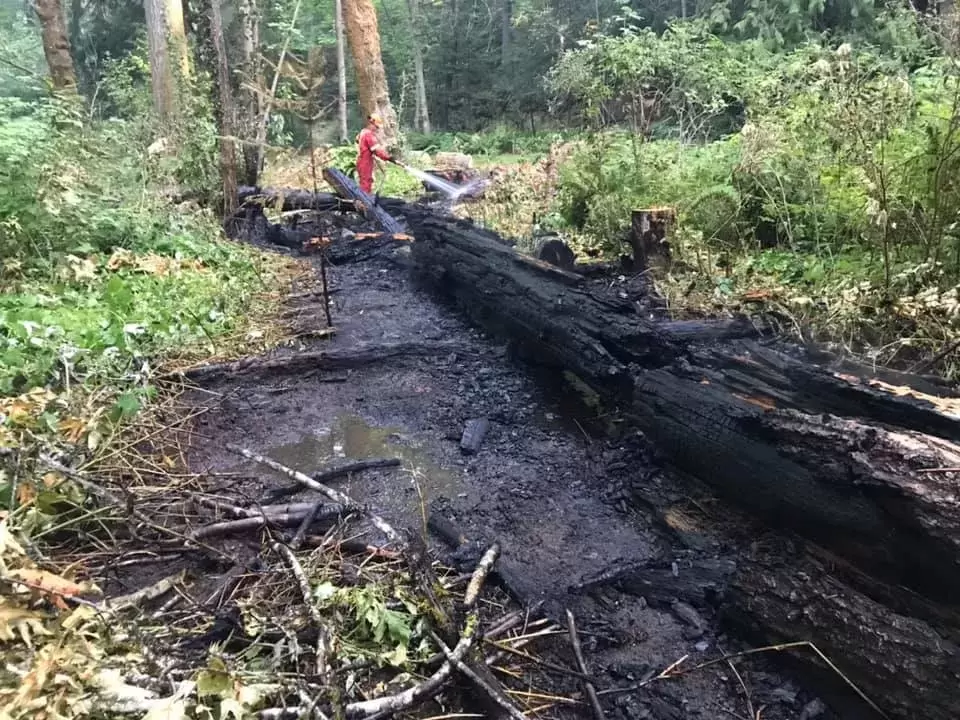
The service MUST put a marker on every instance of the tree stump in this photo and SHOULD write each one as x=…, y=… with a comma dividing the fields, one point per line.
x=650, y=232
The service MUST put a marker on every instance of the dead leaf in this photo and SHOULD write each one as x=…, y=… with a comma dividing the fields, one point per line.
x=119, y=259
x=26, y=494
x=21, y=621
x=72, y=429
x=48, y=583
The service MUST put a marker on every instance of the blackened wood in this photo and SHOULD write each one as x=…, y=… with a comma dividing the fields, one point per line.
x=903, y=664
x=328, y=475
x=473, y=434
x=649, y=237
x=363, y=202
x=749, y=421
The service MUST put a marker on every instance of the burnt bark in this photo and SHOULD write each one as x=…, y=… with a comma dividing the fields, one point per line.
x=363, y=202
x=846, y=461
x=904, y=665
x=861, y=465
x=56, y=45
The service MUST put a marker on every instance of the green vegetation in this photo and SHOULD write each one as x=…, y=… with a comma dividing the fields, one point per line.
x=103, y=276
x=821, y=179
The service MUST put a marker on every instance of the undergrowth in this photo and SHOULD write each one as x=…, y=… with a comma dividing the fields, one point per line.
x=105, y=283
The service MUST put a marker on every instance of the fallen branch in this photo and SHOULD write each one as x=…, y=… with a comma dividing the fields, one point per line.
x=335, y=495
x=498, y=697
x=308, y=520
x=324, y=646
x=242, y=512
x=254, y=523
x=479, y=577
x=318, y=361
x=581, y=663
x=151, y=592
x=333, y=474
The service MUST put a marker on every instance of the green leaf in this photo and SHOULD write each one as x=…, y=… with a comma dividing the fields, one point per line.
x=215, y=679
x=397, y=626
x=126, y=406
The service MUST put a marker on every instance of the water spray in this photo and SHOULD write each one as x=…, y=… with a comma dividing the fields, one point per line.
x=453, y=192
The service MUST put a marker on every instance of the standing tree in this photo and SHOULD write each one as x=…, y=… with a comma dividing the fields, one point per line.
x=56, y=45
x=177, y=36
x=161, y=74
x=228, y=152
x=250, y=83
x=341, y=72
x=422, y=114
x=360, y=19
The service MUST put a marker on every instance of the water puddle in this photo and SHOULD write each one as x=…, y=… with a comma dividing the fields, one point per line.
x=350, y=438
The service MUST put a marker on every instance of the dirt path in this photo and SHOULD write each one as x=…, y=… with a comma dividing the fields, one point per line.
x=539, y=484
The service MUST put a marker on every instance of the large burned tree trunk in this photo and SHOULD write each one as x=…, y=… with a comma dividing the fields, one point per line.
x=838, y=459
x=901, y=663
x=865, y=468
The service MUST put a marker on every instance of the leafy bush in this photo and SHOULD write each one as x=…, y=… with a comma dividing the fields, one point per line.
x=498, y=141
x=102, y=316
x=99, y=274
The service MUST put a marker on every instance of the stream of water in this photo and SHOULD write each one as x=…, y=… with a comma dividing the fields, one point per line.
x=453, y=192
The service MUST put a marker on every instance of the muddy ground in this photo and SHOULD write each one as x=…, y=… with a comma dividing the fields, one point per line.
x=566, y=492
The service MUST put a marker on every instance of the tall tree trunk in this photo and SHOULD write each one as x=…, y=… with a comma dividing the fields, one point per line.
x=422, y=114
x=161, y=75
x=341, y=73
x=228, y=152
x=360, y=20
x=76, y=18
x=947, y=10
x=177, y=35
x=264, y=119
x=56, y=45
x=506, y=32
x=250, y=82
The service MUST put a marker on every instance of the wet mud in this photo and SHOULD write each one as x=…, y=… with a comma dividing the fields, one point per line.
x=565, y=490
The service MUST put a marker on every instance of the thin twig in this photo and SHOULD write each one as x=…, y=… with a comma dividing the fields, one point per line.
x=581, y=663
x=151, y=592
x=334, y=474
x=308, y=520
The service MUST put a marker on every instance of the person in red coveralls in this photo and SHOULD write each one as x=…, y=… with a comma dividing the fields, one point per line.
x=368, y=145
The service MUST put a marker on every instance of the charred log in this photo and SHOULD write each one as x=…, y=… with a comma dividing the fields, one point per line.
x=748, y=421
x=363, y=202
x=293, y=199
x=864, y=468
x=902, y=664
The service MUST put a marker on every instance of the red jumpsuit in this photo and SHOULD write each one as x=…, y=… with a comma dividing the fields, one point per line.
x=368, y=146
